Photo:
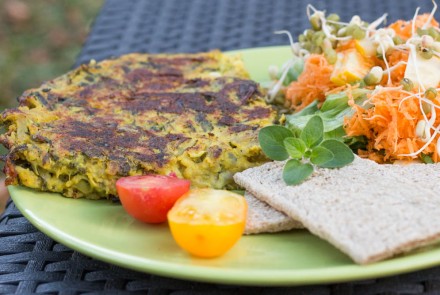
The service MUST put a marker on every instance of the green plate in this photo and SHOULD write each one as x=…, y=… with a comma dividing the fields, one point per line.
x=103, y=230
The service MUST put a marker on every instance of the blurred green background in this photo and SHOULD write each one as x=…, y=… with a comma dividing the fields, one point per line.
x=39, y=40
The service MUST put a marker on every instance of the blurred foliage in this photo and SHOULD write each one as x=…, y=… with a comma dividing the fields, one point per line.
x=39, y=40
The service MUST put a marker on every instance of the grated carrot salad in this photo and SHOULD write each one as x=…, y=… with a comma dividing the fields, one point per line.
x=393, y=58
x=312, y=84
x=403, y=28
x=390, y=126
x=394, y=122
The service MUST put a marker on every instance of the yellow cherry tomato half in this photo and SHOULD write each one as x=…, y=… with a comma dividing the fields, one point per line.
x=208, y=222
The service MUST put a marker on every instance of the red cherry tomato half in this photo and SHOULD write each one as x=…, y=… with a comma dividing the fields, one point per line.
x=148, y=198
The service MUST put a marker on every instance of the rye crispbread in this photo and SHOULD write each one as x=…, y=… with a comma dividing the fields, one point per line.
x=368, y=211
x=262, y=218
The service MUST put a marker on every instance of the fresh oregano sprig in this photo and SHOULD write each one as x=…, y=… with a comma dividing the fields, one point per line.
x=303, y=151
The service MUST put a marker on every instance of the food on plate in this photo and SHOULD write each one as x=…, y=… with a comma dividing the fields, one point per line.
x=262, y=218
x=377, y=86
x=376, y=90
x=208, y=222
x=148, y=198
x=194, y=115
x=118, y=127
x=367, y=210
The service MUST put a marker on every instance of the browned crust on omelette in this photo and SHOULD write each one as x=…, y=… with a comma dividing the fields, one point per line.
x=195, y=115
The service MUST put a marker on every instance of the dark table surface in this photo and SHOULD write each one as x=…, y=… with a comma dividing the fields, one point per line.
x=31, y=262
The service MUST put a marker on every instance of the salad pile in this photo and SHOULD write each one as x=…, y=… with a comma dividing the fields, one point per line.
x=375, y=87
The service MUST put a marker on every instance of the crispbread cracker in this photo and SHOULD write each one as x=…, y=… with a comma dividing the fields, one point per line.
x=262, y=218
x=368, y=211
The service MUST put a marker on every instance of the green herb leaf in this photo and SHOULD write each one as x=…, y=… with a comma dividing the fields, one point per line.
x=294, y=72
x=295, y=147
x=310, y=109
x=338, y=134
x=356, y=142
x=427, y=159
x=321, y=155
x=313, y=132
x=271, y=140
x=296, y=172
x=333, y=111
x=342, y=154
x=298, y=120
x=337, y=102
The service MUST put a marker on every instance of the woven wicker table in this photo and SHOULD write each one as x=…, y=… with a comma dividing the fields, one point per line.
x=31, y=262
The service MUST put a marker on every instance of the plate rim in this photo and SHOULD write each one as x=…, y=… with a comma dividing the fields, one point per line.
x=258, y=277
